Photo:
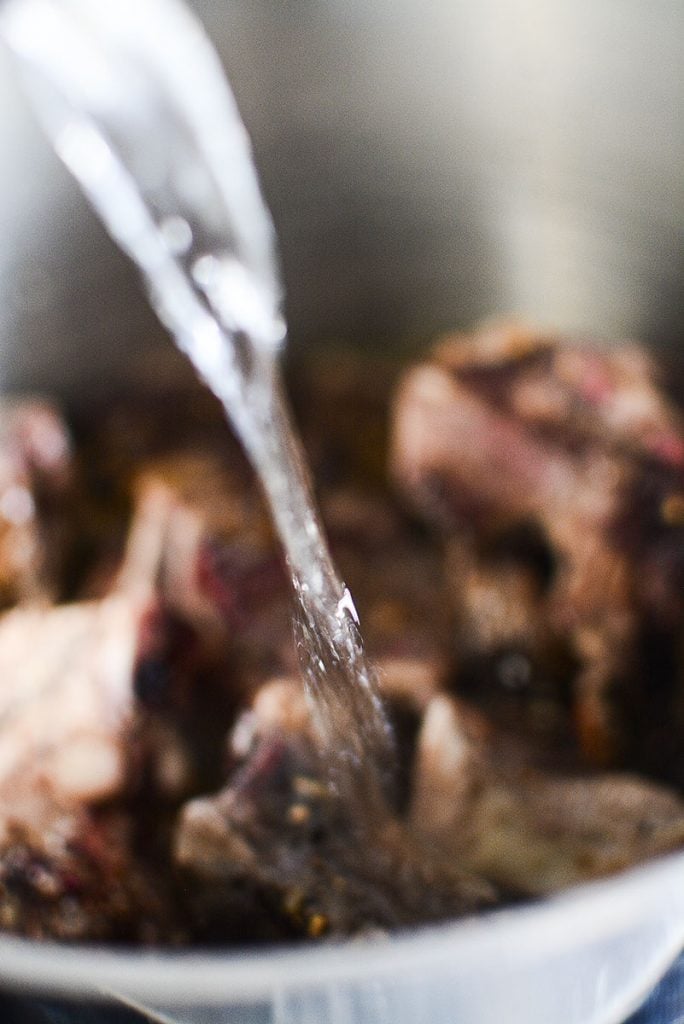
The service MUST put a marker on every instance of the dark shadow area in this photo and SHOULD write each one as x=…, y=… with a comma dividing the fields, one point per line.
x=16, y=1010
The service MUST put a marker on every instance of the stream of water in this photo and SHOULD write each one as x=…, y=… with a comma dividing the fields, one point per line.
x=137, y=106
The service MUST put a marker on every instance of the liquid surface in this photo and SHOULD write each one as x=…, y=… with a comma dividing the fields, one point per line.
x=149, y=129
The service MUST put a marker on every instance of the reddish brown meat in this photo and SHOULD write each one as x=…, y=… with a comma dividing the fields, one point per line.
x=506, y=431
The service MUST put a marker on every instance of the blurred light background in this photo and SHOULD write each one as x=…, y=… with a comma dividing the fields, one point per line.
x=427, y=165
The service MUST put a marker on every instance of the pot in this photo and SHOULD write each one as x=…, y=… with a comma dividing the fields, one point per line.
x=426, y=166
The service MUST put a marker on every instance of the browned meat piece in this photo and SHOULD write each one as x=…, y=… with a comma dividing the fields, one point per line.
x=528, y=831
x=111, y=711
x=506, y=432
x=478, y=809
x=66, y=701
x=279, y=830
x=67, y=868
x=221, y=567
x=219, y=564
x=35, y=481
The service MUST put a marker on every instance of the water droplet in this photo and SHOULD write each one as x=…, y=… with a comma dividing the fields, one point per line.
x=177, y=234
x=204, y=271
x=346, y=604
x=279, y=331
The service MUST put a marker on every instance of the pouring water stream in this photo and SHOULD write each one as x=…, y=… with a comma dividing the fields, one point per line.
x=136, y=104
